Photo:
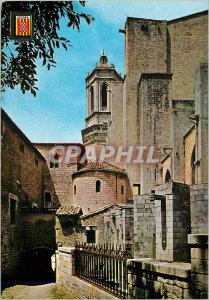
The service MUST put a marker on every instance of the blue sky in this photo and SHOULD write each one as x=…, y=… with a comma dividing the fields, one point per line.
x=58, y=112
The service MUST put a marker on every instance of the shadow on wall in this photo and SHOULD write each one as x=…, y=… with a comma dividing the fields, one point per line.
x=49, y=188
x=37, y=266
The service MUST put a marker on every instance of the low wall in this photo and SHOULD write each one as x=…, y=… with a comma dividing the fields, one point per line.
x=152, y=279
x=199, y=263
x=148, y=278
x=144, y=227
x=74, y=287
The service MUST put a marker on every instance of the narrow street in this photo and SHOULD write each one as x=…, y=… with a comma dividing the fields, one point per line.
x=45, y=291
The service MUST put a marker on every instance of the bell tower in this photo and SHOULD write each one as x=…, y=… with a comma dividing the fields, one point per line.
x=99, y=101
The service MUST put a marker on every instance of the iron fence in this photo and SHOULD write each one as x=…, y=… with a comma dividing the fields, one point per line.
x=103, y=265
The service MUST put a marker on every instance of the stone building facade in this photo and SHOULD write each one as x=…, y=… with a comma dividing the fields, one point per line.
x=161, y=101
x=21, y=185
x=62, y=161
x=163, y=84
x=111, y=224
x=99, y=184
x=21, y=192
x=103, y=84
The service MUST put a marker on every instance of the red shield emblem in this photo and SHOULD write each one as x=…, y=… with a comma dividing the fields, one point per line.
x=23, y=26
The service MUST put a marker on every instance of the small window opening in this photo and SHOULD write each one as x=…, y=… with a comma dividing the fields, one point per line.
x=74, y=189
x=91, y=236
x=48, y=199
x=22, y=147
x=92, y=98
x=136, y=189
x=98, y=186
x=12, y=211
x=122, y=190
x=36, y=162
x=193, y=166
x=167, y=176
x=104, y=95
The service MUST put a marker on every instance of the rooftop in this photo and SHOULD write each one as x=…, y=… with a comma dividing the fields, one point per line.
x=100, y=166
x=69, y=210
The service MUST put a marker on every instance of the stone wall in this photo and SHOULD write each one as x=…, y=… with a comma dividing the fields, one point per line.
x=38, y=229
x=119, y=226
x=112, y=224
x=151, y=279
x=144, y=227
x=115, y=130
x=145, y=52
x=172, y=222
x=154, y=129
x=199, y=264
x=199, y=208
x=161, y=226
x=189, y=144
x=181, y=110
x=188, y=43
x=21, y=180
x=22, y=169
x=74, y=287
x=95, y=134
x=11, y=245
x=58, y=181
x=153, y=46
x=201, y=108
x=86, y=195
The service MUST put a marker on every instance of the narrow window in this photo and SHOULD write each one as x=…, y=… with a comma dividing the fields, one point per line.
x=193, y=166
x=22, y=147
x=98, y=186
x=136, y=189
x=74, y=189
x=92, y=98
x=122, y=190
x=12, y=211
x=167, y=176
x=163, y=224
x=36, y=162
x=47, y=199
x=104, y=95
x=91, y=236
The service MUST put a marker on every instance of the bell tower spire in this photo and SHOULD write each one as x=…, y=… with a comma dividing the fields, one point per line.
x=103, y=59
x=99, y=97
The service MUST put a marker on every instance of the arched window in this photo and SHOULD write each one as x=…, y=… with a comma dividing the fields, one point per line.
x=122, y=190
x=104, y=95
x=193, y=165
x=98, y=186
x=92, y=98
x=167, y=176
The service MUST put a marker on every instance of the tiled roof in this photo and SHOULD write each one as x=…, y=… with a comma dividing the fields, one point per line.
x=101, y=166
x=69, y=210
x=97, y=211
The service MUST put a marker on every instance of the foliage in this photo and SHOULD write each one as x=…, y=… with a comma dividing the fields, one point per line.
x=19, y=58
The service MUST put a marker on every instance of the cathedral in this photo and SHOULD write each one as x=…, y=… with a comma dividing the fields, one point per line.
x=150, y=207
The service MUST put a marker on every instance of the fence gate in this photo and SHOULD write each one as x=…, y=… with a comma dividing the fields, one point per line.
x=103, y=265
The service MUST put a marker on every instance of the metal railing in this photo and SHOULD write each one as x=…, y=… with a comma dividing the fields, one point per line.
x=103, y=265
